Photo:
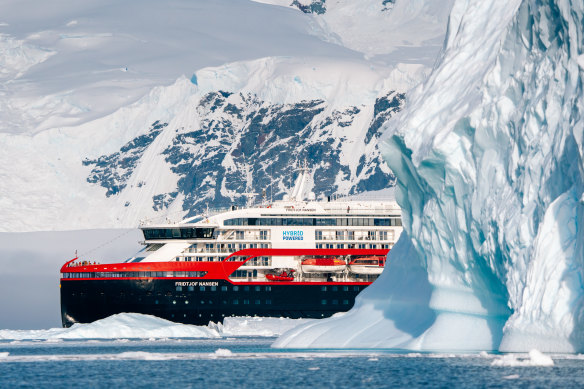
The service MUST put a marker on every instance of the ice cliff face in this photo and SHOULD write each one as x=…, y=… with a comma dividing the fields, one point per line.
x=488, y=157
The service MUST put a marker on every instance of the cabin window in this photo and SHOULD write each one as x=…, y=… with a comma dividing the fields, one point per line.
x=345, y=302
x=340, y=235
x=257, y=302
x=268, y=302
x=323, y=302
x=179, y=288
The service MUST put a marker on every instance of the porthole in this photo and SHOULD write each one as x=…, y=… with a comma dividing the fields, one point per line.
x=174, y=301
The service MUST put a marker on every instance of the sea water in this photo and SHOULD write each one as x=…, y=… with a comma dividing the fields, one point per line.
x=250, y=362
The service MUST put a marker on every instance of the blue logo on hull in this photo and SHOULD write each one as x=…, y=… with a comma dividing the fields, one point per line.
x=292, y=235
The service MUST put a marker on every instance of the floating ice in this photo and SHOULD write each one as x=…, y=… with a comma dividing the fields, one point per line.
x=125, y=326
x=143, y=355
x=223, y=352
x=535, y=358
x=257, y=326
x=488, y=156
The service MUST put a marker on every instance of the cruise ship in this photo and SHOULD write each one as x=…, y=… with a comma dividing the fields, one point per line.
x=295, y=258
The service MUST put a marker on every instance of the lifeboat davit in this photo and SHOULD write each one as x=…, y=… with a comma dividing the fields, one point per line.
x=323, y=265
x=367, y=265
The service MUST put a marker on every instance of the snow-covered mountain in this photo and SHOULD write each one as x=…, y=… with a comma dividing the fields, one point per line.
x=112, y=113
x=489, y=161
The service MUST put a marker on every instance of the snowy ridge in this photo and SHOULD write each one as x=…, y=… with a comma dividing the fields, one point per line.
x=488, y=158
x=185, y=146
x=383, y=26
x=83, y=87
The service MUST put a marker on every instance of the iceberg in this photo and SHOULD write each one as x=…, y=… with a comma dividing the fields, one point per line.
x=488, y=160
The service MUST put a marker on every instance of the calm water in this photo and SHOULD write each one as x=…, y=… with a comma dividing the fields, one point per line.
x=251, y=363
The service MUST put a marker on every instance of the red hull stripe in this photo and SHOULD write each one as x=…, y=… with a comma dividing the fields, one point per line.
x=215, y=270
x=267, y=283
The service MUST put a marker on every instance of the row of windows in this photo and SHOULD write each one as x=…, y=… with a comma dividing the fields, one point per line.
x=178, y=233
x=136, y=274
x=225, y=302
x=267, y=288
x=350, y=235
x=263, y=235
x=258, y=261
x=334, y=302
x=225, y=288
x=200, y=259
x=224, y=247
x=352, y=246
x=244, y=274
x=312, y=221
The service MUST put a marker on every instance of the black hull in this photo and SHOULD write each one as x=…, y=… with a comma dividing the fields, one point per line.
x=187, y=301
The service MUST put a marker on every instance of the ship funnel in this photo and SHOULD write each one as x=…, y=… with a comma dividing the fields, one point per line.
x=301, y=185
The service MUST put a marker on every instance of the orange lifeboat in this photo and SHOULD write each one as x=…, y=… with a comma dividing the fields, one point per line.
x=367, y=265
x=323, y=265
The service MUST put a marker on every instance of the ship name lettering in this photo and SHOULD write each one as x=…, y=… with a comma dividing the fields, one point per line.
x=208, y=283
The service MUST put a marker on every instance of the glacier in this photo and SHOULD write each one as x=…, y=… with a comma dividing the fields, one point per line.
x=488, y=160
x=104, y=109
